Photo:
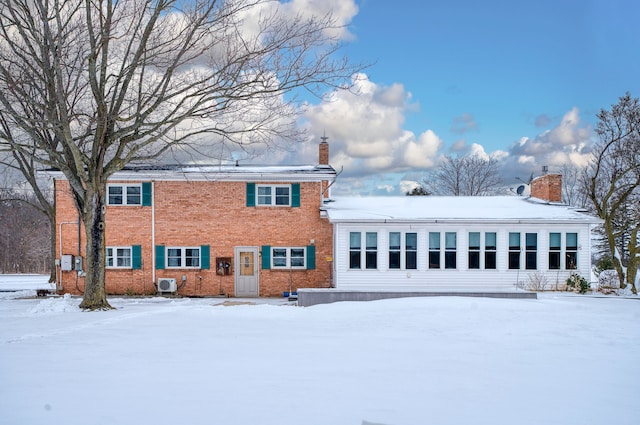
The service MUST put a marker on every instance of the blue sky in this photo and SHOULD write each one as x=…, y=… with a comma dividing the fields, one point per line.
x=517, y=81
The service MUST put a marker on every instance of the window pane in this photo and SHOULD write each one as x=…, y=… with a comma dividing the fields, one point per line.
x=490, y=260
x=450, y=240
x=434, y=240
x=449, y=259
x=133, y=195
x=434, y=259
x=394, y=259
x=514, y=260
x=279, y=257
x=372, y=240
x=474, y=240
x=109, y=257
x=123, y=257
x=531, y=241
x=531, y=260
x=115, y=195
x=354, y=260
x=192, y=257
x=412, y=260
x=372, y=259
x=297, y=257
x=514, y=241
x=394, y=241
x=571, y=260
x=572, y=241
x=355, y=240
x=474, y=259
x=411, y=241
x=490, y=241
x=554, y=261
x=174, y=257
x=554, y=241
x=264, y=195
x=282, y=196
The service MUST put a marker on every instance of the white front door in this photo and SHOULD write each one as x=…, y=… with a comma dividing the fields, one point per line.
x=246, y=267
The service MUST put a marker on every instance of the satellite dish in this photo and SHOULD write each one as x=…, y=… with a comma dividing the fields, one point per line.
x=520, y=190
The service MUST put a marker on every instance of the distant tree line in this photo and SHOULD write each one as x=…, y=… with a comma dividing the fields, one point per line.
x=25, y=235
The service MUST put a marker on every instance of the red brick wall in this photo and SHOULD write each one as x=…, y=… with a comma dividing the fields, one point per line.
x=547, y=187
x=203, y=213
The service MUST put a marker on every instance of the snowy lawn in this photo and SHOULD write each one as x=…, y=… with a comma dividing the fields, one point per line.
x=561, y=359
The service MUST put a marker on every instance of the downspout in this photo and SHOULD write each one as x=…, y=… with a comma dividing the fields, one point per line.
x=153, y=232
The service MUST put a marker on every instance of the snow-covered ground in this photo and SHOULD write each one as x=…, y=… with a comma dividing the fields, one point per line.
x=561, y=359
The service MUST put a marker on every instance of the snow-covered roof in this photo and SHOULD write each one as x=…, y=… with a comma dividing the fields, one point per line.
x=264, y=173
x=444, y=209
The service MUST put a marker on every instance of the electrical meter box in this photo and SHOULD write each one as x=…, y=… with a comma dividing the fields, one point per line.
x=66, y=263
x=77, y=263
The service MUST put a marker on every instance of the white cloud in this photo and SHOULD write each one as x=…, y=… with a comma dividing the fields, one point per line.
x=365, y=126
x=423, y=152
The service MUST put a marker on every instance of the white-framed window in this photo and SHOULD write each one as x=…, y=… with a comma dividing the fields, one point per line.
x=119, y=257
x=514, y=251
x=570, y=251
x=434, y=250
x=450, y=250
x=288, y=258
x=278, y=195
x=399, y=246
x=124, y=194
x=183, y=257
x=555, y=250
x=482, y=255
x=490, y=250
x=370, y=251
x=531, y=251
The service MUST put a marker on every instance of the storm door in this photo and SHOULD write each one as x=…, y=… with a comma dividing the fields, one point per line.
x=246, y=268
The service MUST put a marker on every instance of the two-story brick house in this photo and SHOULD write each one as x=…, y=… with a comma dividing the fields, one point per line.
x=220, y=230
x=262, y=231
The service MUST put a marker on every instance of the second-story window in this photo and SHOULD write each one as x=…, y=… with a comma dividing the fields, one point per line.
x=279, y=195
x=120, y=194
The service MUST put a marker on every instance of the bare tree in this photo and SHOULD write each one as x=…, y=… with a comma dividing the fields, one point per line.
x=470, y=175
x=95, y=85
x=613, y=184
x=573, y=192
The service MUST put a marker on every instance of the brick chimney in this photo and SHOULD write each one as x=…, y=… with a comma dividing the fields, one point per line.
x=323, y=153
x=547, y=187
x=323, y=162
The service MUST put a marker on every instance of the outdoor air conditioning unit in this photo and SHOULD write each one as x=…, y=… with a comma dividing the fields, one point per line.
x=167, y=285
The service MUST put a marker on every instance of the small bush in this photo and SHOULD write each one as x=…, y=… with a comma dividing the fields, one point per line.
x=578, y=283
x=537, y=282
x=604, y=263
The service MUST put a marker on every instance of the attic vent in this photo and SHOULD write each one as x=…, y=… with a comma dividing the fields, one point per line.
x=167, y=285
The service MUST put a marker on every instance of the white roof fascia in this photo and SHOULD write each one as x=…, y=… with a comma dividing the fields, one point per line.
x=310, y=175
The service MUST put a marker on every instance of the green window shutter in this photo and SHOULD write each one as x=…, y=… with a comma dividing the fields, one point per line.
x=311, y=257
x=159, y=257
x=146, y=194
x=136, y=257
x=295, y=195
x=204, y=257
x=251, y=194
x=266, y=257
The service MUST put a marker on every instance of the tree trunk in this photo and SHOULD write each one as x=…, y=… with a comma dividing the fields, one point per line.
x=95, y=297
x=634, y=260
